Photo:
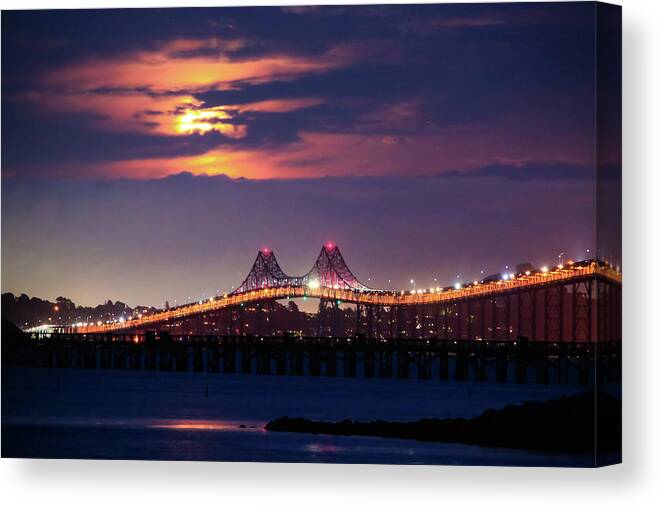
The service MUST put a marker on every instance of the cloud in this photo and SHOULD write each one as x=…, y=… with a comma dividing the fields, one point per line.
x=528, y=171
x=264, y=93
x=163, y=83
x=188, y=65
x=435, y=25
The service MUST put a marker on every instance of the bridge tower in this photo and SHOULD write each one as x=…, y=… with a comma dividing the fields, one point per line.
x=265, y=272
x=331, y=270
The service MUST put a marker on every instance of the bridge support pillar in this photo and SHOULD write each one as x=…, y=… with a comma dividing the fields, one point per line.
x=315, y=361
x=246, y=350
x=165, y=344
x=521, y=355
x=331, y=360
x=368, y=359
x=229, y=355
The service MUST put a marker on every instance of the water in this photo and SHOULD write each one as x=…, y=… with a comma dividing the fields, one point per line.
x=51, y=413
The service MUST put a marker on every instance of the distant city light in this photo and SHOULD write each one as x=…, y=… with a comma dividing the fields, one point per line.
x=457, y=286
x=545, y=269
x=313, y=284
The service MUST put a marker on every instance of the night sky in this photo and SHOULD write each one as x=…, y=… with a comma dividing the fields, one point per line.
x=148, y=154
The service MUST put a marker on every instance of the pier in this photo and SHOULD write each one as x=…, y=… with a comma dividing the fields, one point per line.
x=515, y=361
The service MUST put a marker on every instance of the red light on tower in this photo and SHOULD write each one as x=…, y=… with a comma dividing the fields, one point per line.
x=266, y=251
x=329, y=245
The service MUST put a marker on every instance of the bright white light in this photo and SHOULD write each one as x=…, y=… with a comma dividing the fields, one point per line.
x=506, y=276
x=457, y=286
x=412, y=281
x=527, y=273
x=121, y=319
x=98, y=323
x=560, y=266
x=313, y=284
x=545, y=269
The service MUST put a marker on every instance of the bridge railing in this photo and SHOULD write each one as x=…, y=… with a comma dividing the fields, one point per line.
x=381, y=298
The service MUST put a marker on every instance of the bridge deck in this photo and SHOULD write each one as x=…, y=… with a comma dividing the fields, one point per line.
x=570, y=273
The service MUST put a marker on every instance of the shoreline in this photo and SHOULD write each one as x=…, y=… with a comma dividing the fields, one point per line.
x=563, y=424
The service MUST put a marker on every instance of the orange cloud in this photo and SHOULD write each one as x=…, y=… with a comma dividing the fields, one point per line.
x=152, y=91
x=174, y=66
x=318, y=154
x=314, y=155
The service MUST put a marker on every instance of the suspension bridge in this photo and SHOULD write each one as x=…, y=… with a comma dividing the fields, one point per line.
x=575, y=301
x=537, y=325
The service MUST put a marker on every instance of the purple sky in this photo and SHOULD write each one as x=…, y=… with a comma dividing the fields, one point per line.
x=148, y=154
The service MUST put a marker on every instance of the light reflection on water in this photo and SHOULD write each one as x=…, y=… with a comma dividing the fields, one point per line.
x=195, y=425
x=322, y=448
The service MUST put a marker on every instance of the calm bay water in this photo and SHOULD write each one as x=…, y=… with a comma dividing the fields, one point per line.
x=51, y=413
